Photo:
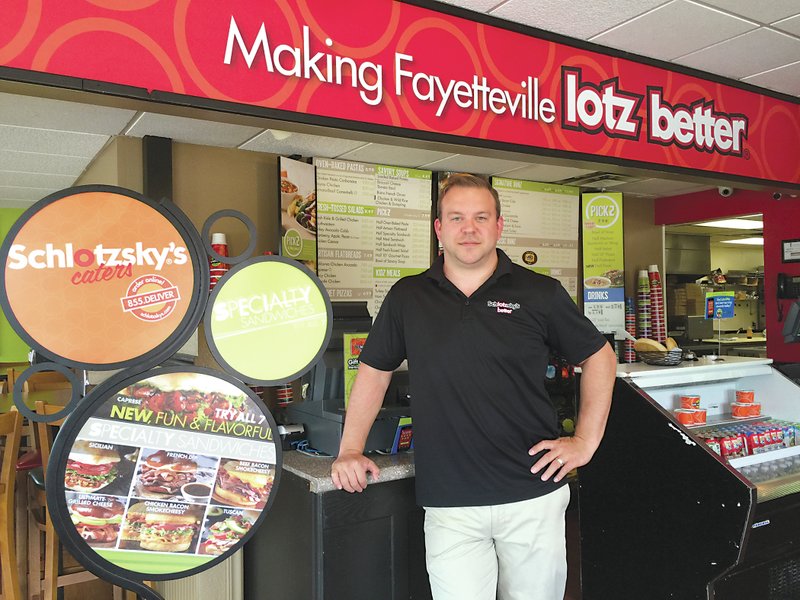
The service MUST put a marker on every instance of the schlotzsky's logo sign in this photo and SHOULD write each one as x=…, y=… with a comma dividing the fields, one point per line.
x=88, y=267
x=411, y=68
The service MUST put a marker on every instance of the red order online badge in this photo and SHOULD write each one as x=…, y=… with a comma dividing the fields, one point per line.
x=150, y=298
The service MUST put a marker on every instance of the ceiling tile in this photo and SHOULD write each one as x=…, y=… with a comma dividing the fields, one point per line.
x=575, y=18
x=791, y=25
x=748, y=54
x=192, y=131
x=673, y=30
x=278, y=142
x=479, y=165
x=394, y=155
x=783, y=79
x=475, y=5
x=545, y=173
x=15, y=179
x=25, y=193
x=32, y=162
x=763, y=12
x=49, y=141
x=44, y=113
x=6, y=202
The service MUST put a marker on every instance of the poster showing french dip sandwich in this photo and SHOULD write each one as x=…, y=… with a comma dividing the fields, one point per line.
x=172, y=470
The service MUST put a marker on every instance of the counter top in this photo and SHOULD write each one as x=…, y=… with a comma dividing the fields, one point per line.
x=704, y=369
x=737, y=339
x=317, y=470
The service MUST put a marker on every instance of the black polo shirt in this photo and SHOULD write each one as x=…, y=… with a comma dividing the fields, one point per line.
x=476, y=368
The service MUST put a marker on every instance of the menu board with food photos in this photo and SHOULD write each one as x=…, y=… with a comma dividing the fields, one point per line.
x=298, y=212
x=374, y=227
x=603, y=261
x=541, y=228
x=170, y=471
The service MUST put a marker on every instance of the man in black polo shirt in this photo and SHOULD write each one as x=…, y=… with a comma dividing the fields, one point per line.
x=477, y=331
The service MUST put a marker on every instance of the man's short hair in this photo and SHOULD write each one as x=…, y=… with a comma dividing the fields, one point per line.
x=465, y=180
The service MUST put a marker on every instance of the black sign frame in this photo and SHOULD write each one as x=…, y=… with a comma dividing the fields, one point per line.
x=56, y=491
x=197, y=303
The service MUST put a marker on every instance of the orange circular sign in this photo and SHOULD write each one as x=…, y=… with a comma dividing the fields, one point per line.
x=98, y=276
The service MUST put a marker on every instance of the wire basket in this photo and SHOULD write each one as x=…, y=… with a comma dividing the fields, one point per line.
x=670, y=358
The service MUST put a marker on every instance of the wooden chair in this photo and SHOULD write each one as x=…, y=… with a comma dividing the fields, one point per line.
x=40, y=381
x=44, y=583
x=11, y=431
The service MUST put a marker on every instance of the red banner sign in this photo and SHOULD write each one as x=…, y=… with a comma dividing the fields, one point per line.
x=393, y=64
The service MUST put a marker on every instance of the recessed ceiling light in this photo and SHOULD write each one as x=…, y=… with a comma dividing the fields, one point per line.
x=279, y=134
x=752, y=241
x=734, y=224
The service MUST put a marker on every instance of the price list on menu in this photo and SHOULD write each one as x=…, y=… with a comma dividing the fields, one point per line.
x=373, y=228
x=541, y=228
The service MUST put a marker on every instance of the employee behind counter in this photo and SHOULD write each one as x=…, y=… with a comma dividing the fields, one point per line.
x=478, y=370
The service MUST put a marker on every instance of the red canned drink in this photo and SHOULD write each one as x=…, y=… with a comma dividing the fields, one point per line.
x=690, y=401
x=700, y=416
x=685, y=416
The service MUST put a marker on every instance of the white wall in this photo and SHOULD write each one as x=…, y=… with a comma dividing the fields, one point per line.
x=732, y=257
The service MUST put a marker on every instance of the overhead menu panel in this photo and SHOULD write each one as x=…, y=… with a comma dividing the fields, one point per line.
x=541, y=228
x=374, y=227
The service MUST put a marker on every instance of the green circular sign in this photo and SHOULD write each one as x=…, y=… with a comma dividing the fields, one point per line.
x=269, y=320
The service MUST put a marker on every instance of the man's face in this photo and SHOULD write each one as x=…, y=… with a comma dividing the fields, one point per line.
x=469, y=227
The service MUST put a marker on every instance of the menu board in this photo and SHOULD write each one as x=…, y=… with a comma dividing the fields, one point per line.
x=603, y=261
x=298, y=212
x=374, y=227
x=170, y=472
x=540, y=228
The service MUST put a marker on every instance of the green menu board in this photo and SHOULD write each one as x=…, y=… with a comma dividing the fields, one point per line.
x=603, y=261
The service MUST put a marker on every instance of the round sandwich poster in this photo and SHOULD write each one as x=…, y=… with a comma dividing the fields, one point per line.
x=165, y=473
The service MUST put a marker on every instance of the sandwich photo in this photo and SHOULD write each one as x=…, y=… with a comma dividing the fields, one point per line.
x=163, y=473
x=244, y=484
x=97, y=519
x=131, y=528
x=190, y=396
x=91, y=466
x=168, y=532
x=223, y=534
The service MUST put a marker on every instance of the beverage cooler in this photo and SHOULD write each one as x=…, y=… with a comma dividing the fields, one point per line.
x=674, y=509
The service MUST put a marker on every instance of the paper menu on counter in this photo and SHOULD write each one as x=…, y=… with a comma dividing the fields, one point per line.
x=374, y=228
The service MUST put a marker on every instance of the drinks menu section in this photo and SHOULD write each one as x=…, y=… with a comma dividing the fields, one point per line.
x=541, y=228
x=374, y=228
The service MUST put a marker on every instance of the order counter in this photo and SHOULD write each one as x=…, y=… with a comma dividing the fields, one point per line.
x=318, y=542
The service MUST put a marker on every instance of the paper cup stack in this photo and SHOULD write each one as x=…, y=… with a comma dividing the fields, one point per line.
x=629, y=355
x=643, y=299
x=659, y=332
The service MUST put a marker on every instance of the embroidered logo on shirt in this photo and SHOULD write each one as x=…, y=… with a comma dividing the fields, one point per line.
x=503, y=307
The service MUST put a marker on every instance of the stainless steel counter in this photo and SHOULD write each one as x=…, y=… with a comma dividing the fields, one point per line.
x=317, y=470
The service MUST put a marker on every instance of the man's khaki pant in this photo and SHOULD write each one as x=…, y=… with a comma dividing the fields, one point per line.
x=513, y=551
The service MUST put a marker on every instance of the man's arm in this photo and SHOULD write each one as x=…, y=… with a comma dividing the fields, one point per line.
x=597, y=384
x=349, y=470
